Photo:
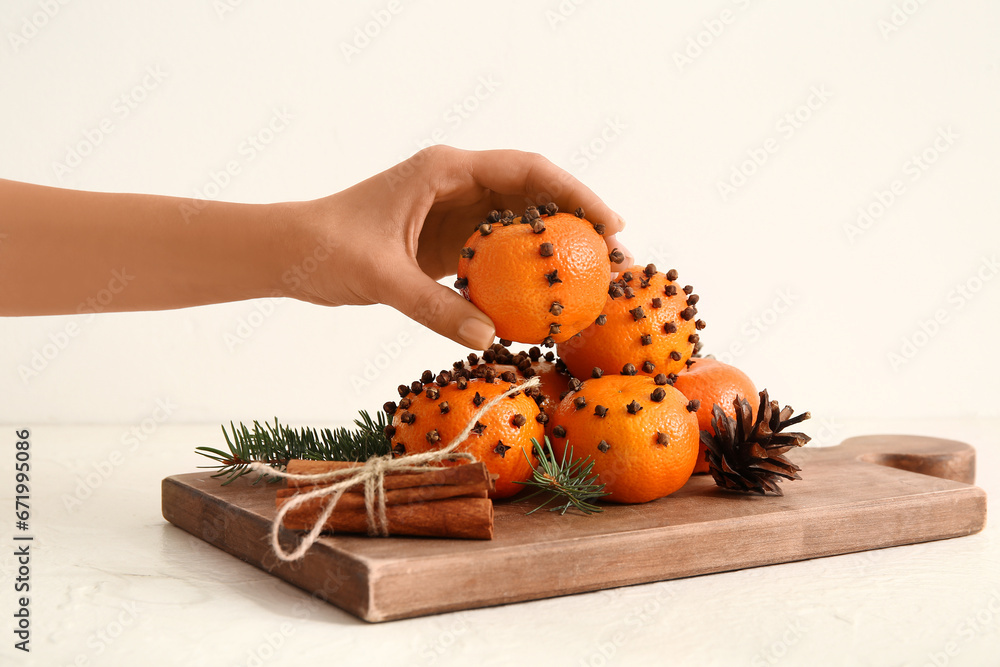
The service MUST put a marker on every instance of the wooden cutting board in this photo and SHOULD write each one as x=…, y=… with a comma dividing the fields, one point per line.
x=868, y=493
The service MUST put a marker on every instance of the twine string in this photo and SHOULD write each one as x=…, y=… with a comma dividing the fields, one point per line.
x=370, y=476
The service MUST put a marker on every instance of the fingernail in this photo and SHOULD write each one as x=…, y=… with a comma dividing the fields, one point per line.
x=476, y=333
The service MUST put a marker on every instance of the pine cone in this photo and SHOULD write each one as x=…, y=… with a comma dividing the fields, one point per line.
x=747, y=455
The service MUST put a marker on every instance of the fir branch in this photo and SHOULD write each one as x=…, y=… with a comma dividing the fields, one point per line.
x=566, y=479
x=277, y=444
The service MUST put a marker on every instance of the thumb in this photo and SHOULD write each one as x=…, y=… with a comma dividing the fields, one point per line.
x=439, y=308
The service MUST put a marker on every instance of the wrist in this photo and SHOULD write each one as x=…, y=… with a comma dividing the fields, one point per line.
x=280, y=240
x=305, y=243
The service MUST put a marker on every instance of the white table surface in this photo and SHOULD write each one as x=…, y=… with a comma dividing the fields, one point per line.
x=115, y=584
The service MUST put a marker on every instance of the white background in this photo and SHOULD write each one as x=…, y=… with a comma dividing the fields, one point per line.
x=602, y=89
x=663, y=134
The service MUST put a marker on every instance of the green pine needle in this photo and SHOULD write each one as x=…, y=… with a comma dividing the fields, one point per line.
x=567, y=479
x=276, y=444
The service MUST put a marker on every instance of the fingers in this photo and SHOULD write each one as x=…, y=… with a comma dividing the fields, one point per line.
x=437, y=307
x=511, y=172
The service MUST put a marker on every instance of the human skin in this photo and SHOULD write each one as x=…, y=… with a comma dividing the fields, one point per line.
x=388, y=240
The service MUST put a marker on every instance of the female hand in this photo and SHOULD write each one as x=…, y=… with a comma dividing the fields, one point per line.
x=390, y=238
x=385, y=240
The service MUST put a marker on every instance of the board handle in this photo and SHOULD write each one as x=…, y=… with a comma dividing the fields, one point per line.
x=937, y=457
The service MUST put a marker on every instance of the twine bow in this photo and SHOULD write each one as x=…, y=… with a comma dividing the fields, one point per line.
x=371, y=475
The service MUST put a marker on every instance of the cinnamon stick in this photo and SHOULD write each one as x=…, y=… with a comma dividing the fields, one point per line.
x=469, y=473
x=469, y=518
x=447, y=501
x=394, y=496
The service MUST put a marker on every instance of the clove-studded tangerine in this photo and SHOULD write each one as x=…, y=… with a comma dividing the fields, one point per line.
x=429, y=415
x=640, y=432
x=649, y=325
x=522, y=365
x=551, y=371
x=540, y=277
x=714, y=383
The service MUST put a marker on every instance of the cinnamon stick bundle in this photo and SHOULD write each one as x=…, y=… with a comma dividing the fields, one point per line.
x=439, y=502
x=470, y=473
